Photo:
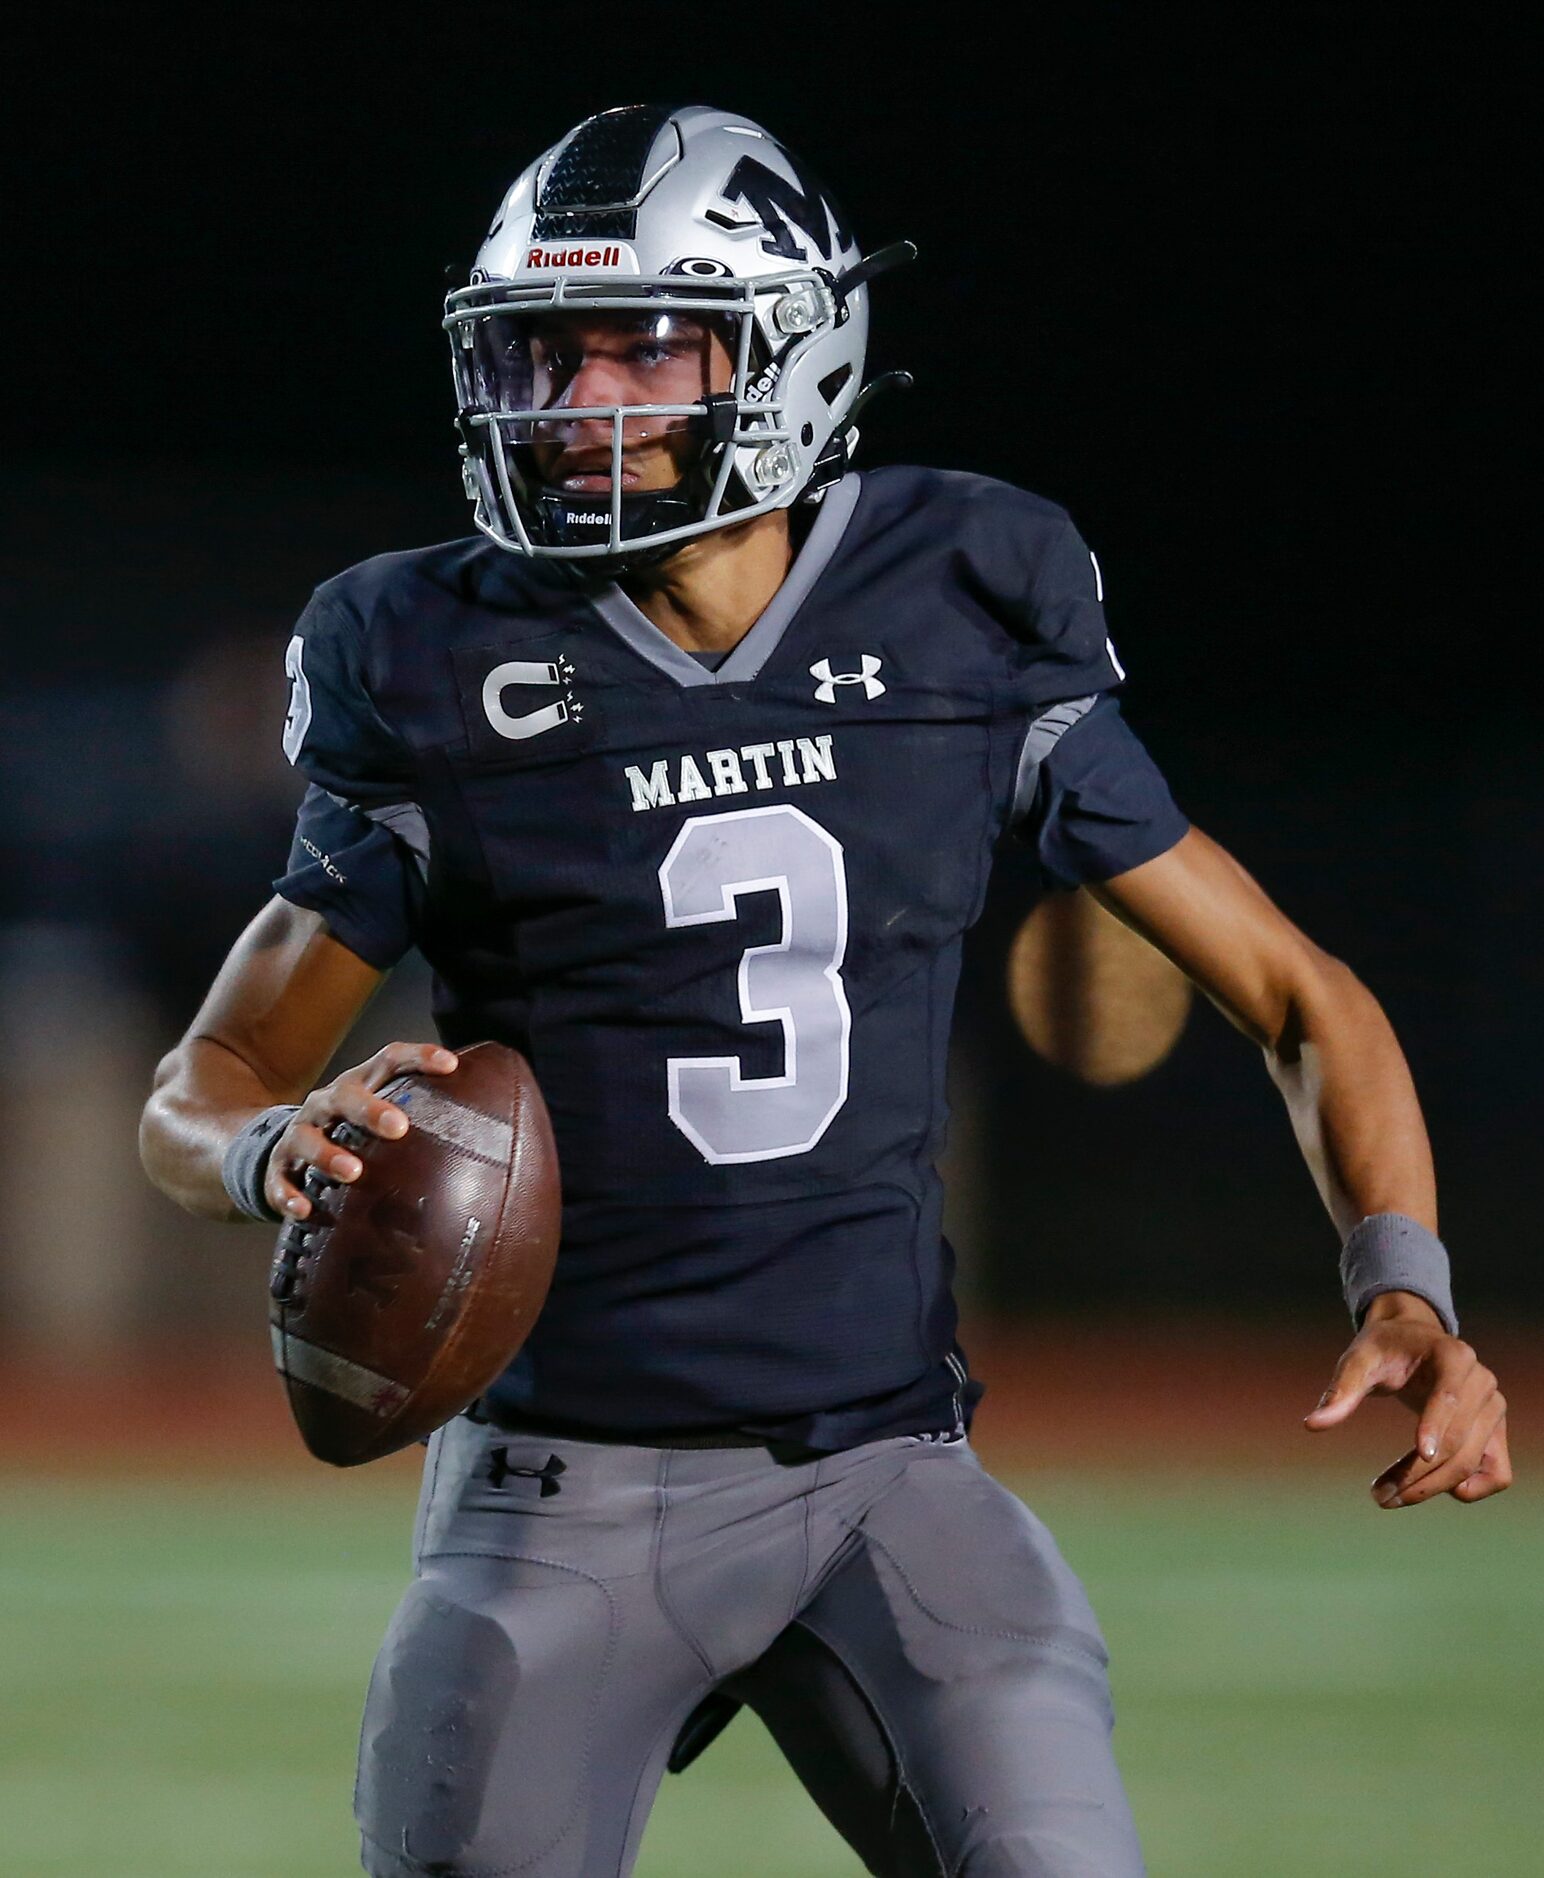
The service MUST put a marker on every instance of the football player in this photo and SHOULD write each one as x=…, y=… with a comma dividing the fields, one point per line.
x=685, y=774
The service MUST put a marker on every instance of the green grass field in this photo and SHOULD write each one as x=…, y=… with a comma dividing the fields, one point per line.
x=1305, y=1687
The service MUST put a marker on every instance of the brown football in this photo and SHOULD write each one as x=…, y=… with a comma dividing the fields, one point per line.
x=402, y=1296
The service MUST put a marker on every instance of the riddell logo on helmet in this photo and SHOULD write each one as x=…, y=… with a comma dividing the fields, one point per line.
x=616, y=254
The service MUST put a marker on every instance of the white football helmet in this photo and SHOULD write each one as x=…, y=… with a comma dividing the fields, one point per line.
x=663, y=224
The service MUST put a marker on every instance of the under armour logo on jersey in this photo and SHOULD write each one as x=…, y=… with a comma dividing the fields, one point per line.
x=825, y=691
x=499, y=1470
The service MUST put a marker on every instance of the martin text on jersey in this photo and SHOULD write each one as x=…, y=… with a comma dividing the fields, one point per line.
x=787, y=763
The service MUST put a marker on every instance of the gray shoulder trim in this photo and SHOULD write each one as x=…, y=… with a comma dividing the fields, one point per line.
x=403, y=819
x=763, y=639
x=406, y=822
x=1040, y=740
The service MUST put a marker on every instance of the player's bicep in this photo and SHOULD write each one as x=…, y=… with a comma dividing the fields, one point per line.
x=285, y=998
x=1203, y=911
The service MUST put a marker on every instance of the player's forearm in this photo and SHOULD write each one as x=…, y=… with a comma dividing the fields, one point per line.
x=1352, y=1103
x=1327, y=1042
x=204, y=1095
x=284, y=1000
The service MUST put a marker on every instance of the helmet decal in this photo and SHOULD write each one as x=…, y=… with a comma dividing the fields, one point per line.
x=778, y=202
x=701, y=267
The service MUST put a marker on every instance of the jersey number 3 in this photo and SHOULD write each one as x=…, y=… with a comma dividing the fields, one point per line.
x=796, y=982
x=298, y=721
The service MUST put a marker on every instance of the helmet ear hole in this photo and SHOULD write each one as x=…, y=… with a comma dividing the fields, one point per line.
x=834, y=384
x=807, y=435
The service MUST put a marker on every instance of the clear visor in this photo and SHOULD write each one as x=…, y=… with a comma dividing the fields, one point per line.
x=569, y=362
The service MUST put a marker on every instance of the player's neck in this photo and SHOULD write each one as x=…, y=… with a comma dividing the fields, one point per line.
x=708, y=596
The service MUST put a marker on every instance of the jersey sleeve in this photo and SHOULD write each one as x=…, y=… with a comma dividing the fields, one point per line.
x=359, y=872
x=1089, y=799
x=360, y=851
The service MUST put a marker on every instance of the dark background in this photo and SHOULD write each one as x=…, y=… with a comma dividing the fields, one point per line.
x=1237, y=290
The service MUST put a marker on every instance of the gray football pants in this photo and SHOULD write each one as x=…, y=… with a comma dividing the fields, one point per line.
x=907, y=1631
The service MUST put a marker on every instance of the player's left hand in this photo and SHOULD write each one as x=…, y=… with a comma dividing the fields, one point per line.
x=1460, y=1441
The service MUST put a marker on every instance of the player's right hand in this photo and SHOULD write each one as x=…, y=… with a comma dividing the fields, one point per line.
x=350, y=1098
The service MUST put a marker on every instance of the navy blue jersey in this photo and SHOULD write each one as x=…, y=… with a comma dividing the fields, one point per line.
x=721, y=913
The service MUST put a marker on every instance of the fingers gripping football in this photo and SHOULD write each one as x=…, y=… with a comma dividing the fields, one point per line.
x=351, y=1099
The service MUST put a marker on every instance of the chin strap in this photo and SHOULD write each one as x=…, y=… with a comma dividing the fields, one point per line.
x=568, y=520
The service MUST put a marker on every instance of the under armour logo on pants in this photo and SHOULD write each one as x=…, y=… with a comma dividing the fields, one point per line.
x=825, y=691
x=500, y=1470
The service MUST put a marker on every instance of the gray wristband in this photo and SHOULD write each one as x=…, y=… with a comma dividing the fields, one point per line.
x=246, y=1160
x=1390, y=1252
